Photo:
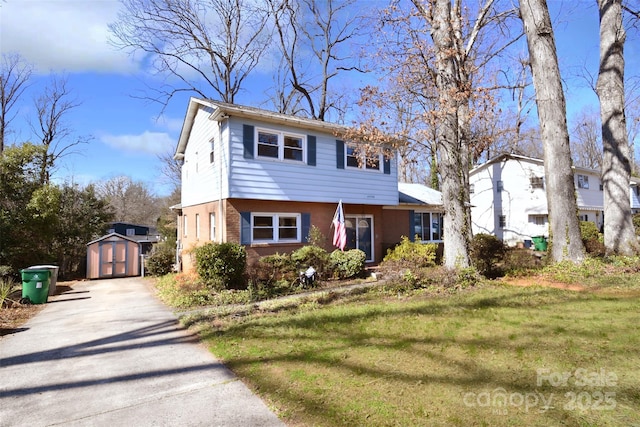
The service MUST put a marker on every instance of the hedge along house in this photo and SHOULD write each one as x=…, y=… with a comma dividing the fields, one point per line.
x=262, y=179
x=113, y=255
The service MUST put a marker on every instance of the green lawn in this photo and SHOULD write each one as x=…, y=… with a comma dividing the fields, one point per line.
x=490, y=356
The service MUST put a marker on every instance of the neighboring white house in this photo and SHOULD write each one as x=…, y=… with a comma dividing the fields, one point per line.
x=262, y=179
x=508, y=198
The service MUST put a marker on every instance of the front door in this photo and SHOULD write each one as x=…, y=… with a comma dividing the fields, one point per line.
x=360, y=234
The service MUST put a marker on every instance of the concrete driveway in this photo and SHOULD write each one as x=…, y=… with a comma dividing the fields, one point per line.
x=107, y=353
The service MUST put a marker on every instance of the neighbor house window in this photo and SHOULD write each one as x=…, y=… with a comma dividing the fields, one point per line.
x=275, y=228
x=472, y=188
x=536, y=182
x=502, y=221
x=583, y=182
x=428, y=226
x=538, y=219
x=212, y=152
x=280, y=145
x=499, y=186
x=212, y=227
x=197, y=226
x=131, y=231
x=357, y=159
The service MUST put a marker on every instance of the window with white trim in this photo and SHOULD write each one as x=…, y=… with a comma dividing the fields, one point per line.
x=428, y=226
x=197, y=226
x=358, y=160
x=275, y=228
x=280, y=145
x=212, y=227
x=131, y=231
x=502, y=221
x=184, y=226
x=583, y=181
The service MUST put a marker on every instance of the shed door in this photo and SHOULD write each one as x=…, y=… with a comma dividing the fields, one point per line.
x=113, y=259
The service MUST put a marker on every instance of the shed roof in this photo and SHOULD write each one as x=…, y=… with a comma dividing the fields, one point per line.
x=106, y=236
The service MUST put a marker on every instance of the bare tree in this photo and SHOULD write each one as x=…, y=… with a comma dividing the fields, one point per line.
x=53, y=106
x=552, y=111
x=171, y=169
x=314, y=37
x=130, y=201
x=619, y=234
x=204, y=46
x=586, y=143
x=15, y=75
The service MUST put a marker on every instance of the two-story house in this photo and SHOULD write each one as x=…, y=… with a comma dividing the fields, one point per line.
x=508, y=198
x=262, y=179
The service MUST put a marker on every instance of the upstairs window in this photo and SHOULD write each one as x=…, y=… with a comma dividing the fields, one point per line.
x=356, y=159
x=502, y=221
x=499, y=186
x=131, y=231
x=280, y=146
x=536, y=182
x=583, y=182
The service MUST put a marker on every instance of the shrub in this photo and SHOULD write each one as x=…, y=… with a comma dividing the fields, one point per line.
x=7, y=286
x=221, y=265
x=311, y=256
x=5, y=271
x=414, y=253
x=592, y=238
x=486, y=251
x=161, y=260
x=437, y=279
x=636, y=223
x=315, y=237
x=347, y=264
x=519, y=262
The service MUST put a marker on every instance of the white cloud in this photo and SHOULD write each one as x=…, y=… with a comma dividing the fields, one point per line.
x=173, y=124
x=63, y=35
x=146, y=142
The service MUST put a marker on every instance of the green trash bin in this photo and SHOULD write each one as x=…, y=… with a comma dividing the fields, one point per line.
x=539, y=243
x=35, y=285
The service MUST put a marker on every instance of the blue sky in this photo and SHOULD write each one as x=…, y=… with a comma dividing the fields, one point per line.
x=70, y=36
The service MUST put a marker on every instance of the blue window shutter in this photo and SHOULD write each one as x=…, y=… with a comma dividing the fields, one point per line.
x=245, y=228
x=306, y=226
x=339, y=154
x=387, y=165
x=412, y=230
x=247, y=141
x=311, y=150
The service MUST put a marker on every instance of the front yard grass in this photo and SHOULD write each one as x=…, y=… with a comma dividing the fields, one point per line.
x=495, y=355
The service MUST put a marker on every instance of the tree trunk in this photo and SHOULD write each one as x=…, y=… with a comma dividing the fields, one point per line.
x=619, y=234
x=454, y=165
x=561, y=196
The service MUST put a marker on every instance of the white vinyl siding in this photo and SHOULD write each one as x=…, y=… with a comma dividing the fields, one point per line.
x=200, y=170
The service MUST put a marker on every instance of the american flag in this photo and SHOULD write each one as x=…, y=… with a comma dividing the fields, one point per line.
x=339, y=232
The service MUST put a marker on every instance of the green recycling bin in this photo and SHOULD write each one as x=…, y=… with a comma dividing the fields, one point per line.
x=35, y=285
x=539, y=243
